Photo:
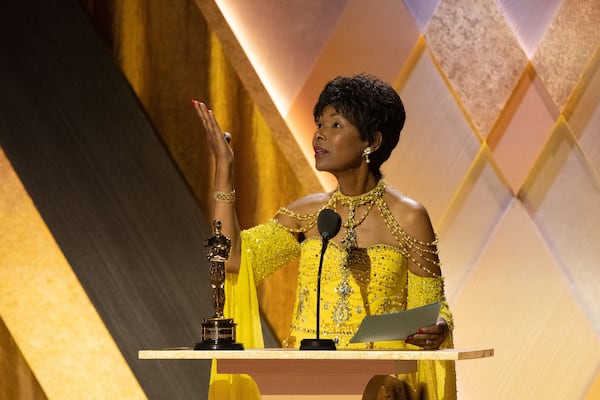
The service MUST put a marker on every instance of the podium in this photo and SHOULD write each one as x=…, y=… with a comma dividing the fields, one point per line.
x=294, y=374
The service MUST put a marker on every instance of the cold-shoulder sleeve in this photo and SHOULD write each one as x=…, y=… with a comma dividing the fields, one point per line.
x=438, y=376
x=427, y=290
x=268, y=247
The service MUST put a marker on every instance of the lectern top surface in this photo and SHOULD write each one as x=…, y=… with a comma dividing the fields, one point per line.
x=295, y=354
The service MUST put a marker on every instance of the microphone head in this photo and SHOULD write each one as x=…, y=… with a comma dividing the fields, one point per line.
x=329, y=223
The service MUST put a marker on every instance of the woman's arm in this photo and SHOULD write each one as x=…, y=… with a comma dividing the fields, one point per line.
x=224, y=190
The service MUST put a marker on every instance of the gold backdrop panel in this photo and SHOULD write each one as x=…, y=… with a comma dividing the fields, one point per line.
x=590, y=141
x=567, y=48
x=563, y=198
x=159, y=47
x=529, y=20
x=517, y=301
x=267, y=30
x=15, y=370
x=470, y=220
x=594, y=392
x=48, y=313
x=437, y=144
x=479, y=54
x=583, y=114
x=523, y=129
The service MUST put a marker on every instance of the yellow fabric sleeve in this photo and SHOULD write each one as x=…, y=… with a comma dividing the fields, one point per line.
x=427, y=290
x=268, y=247
x=241, y=304
x=439, y=376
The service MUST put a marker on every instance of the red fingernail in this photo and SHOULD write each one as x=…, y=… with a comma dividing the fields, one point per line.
x=420, y=331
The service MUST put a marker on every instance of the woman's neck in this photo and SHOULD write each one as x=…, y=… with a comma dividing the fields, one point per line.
x=354, y=185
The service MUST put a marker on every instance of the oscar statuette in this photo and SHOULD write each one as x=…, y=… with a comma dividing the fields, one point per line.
x=218, y=332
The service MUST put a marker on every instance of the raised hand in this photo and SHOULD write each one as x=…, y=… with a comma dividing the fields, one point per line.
x=217, y=139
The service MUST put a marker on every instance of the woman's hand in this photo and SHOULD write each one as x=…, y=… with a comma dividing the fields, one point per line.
x=430, y=337
x=217, y=140
x=224, y=190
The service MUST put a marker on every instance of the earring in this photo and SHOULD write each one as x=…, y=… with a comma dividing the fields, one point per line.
x=366, y=153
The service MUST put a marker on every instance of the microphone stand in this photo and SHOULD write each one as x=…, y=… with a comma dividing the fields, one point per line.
x=326, y=218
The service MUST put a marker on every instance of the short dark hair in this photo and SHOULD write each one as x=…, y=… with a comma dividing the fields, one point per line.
x=370, y=104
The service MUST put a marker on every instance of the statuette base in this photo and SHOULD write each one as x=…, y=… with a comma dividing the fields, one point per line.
x=218, y=334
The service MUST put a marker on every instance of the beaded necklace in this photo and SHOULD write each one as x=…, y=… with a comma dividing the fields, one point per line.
x=411, y=248
x=369, y=199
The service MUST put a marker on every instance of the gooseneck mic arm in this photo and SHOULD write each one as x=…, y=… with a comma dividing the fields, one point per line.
x=329, y=223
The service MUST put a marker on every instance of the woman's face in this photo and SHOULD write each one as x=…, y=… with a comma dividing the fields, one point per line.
x=337, y=143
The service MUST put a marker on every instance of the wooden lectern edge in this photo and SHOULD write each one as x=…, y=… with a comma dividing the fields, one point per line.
x=182, y=353
x=470, y=355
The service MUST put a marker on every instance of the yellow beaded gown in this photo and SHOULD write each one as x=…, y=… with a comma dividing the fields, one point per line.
x=379, y=282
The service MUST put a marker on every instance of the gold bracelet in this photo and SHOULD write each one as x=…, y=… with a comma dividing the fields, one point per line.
x=224, y=197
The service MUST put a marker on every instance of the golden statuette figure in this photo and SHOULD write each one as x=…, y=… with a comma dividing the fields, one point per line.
x=218, y=252
x=218, y=332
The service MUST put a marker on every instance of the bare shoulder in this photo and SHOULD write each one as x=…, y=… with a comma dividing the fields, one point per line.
x=411, y=215
x=303, y=206
x=414, y=219
x=308, y=203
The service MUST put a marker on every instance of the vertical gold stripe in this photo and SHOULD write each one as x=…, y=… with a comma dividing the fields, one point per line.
x=16, y=378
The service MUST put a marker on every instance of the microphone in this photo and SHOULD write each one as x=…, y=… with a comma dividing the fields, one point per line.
x=329, y=223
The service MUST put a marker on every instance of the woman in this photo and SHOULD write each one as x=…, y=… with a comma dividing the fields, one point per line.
x=385, y=257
